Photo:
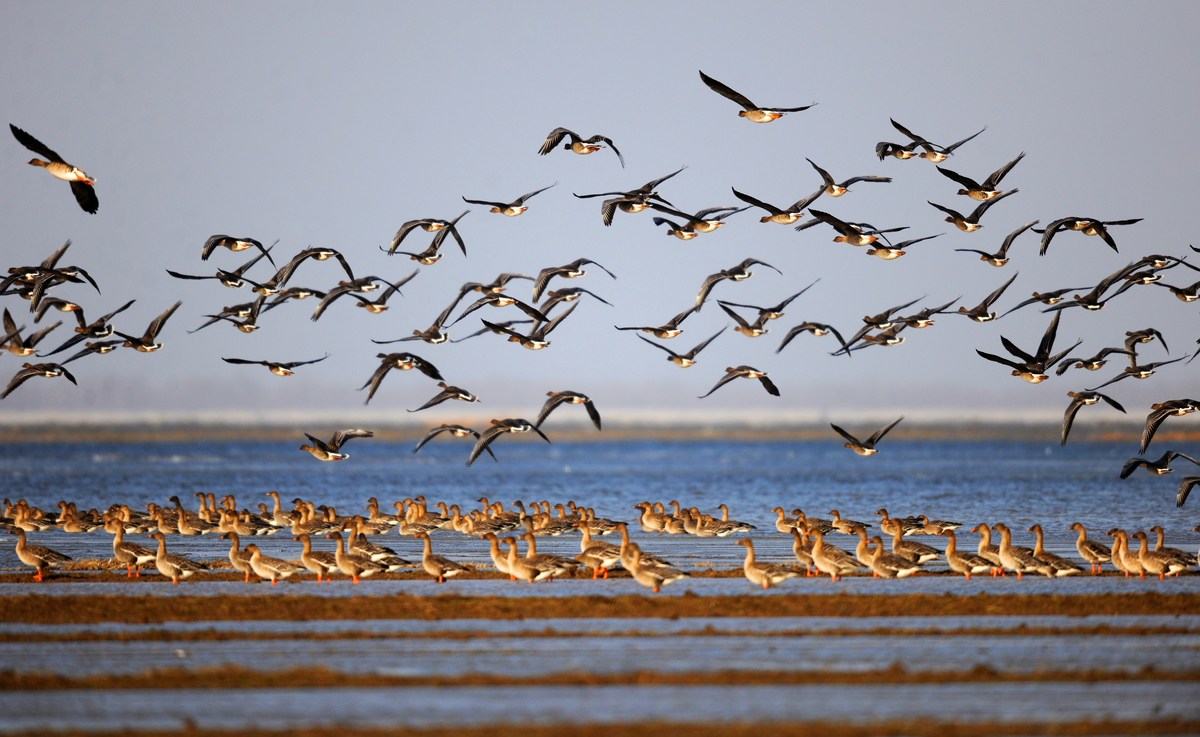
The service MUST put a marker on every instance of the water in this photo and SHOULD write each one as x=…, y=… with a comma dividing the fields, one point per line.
x=1015, y=482
x=427, y=707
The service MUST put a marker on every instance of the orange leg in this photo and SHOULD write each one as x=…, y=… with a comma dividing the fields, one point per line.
x=1018, y=575
x=968, y=575
x=605, y=574
x=766, y=584
x=356, y=579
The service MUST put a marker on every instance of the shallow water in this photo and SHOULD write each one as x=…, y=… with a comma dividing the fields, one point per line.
x=281, y=709
x=1019, y=483
x=528, y=657
x=609, y=626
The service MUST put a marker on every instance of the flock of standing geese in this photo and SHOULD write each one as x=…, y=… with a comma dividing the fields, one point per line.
x=35, y=282
x=357, y=557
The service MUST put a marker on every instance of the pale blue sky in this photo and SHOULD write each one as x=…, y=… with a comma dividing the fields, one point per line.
x=332, y=125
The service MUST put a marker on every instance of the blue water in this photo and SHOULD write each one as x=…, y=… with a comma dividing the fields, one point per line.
x=1019, y=483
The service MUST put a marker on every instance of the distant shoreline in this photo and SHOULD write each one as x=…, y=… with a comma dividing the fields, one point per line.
x=141, y=432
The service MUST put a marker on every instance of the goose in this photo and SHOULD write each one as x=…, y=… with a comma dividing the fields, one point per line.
x=750, y=111
x=238, y=557
x=29, y=370
x=1159, y=467
x=355, y=566
x=232, y=279
x=646, y=558
x=402, y=361
x=802, y=549
x=36, y=556
x=933, y=153
x=837, y=190
x=988, y=188
x=936, y=526
x=1020, y=560
x=567, y=397
x=849, y=233
x=1160, y=412
x=457, y=431
x=579, y=145
x=514, y=208
x=1185, y=558
x=999, y=258
x=980, y=313
x=500, y=427
x=865, y=447
x=779, y=215
x=889, y=565
x=272, y=568
x=970, y=223
x=1156, y=561
x=745, y=372
x=1096, y=554
x=761, y=573
x=499, y=559
x=1088, y=226
x=740, y=272
x=553, y=566
x=1060, y=565
x=816, y=328
x=82, y=186
x=683, y=360
x=831, y=560
x=437, y=566
x=536, y=339
x=597, y=554
x=146, y=344
x=129, y=554
x=652, y=577
x=175, y=567
x=782, y=523
x=1078, y=400
x=317, y=561
x=912, y=550
x=667, y=331
x=331, y=451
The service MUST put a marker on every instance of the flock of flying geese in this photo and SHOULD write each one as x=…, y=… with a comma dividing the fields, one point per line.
x=35, y=282
x=357, y=557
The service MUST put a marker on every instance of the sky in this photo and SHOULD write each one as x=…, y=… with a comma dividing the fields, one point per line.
x=331, y=124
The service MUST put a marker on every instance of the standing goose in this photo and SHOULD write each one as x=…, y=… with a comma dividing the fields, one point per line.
x=1157, y=562
x=652, y=577
x=598, y=555
x=1096, y=554
x=272, y=568
x=354, y=566
x=1019, y=560
x=1060, y=565
x=36, y=556
x=831, y=560
x=174, y=567
x=238, y=557
x=986, y=550
x=761, y=573
x=751, y=112
x=1186, y=558
x=963, y=563
x=437, y=566
x=82, y=186
x=317, y=561
x=889, y=565
x=129, y=554
x=912, y=550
